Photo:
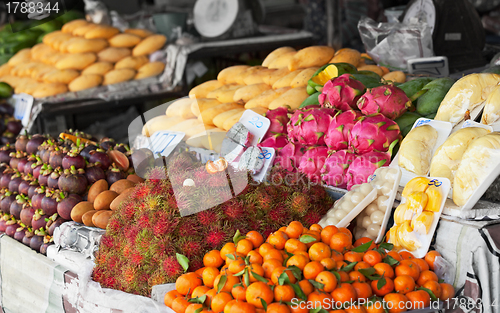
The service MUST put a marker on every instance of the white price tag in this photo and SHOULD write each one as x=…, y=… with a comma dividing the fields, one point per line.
x=22, y=107
x=164, y=142
x=256, y=124
x=268, y=155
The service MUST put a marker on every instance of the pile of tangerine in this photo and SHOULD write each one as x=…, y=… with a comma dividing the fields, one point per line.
x=297, y=269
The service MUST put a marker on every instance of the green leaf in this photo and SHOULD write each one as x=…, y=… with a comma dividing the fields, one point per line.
x=315, y=310
x=231, y=256
x=431, y=294
x=349, y=267
x=348, y=282
x=283, y=278
x=295, y=271
x=198, y=310
x=199, y=300
x=221, y=283
x=386, y=246
x=183, y=261
x=337, y=275
x=264, y=304
x=246, y=276
x=240, y=272
x=381, y=283
x=259, y=278
x=298, y=291
x=236, y=235
x=316, y=284
x=323, y=311
x=367, y=271
x=307, y=239
x=247, y=260
x=363, y=248
x=390, y=260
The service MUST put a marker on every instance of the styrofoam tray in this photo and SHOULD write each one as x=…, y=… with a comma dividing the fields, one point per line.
x=390, y=202
x=354, y=212
x=426, y=239
x=443, y=129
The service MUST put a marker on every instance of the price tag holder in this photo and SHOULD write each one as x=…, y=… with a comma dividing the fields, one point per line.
x=268, y=155
x=256, y=124
x=164, y=142
x=22, y=107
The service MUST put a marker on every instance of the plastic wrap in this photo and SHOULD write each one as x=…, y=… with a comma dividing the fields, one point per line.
x=79, y=238
x=372, y=221
x=417, y=216
x=491, y=110
x=444, y=270
x=349, y=206
x=393, y=44
x=479, y=167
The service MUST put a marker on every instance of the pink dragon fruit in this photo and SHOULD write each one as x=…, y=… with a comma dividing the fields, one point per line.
x=334, y=171
x=365, y=165
x=374, y=132
x=341, y=92
x=279, y=119
x=337, y=137
x=312, y=162
x=309, y=126
x=389, y=100
x=289, y=157
x=276, y=141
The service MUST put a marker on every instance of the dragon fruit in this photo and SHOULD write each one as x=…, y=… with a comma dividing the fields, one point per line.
x=365, y=165
x=276, y=141
x=341, y=92
x=374, y=132
x=309, y=126
x=289, y=157
x=335, y=168
x=389, y=100
x=337, y=137
x=312, y=162
x=279, y=119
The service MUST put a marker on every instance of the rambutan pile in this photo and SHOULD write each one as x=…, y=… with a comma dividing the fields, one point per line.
x=148, y=230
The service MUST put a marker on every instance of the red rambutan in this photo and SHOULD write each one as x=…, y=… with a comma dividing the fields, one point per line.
x=234, y=209
x=158, y=278
x=264, y=201
x=191, y=248
x=156, y=173
x=113, y=261
x=97, y=274
x=129, y=274
x=107, y=241
x=195, y=264
x=110, y=282
x=188, y=227
x=141, y=191
x=143, y=221
x=114, y=226
x=127, y=250
x=131, y=234
x=207, y=217
x=312, y=217
x=171, y=267
x=164, y=224
x=128, y=211
x=299, y=203
x=278, y=216
x=216, y=237
x=136, y=258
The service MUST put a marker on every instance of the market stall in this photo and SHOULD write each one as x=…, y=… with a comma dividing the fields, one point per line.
x=319, y=176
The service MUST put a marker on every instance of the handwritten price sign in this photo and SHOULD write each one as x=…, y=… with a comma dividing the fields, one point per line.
x=164, y=142
x=267, y=155
x=256, y=124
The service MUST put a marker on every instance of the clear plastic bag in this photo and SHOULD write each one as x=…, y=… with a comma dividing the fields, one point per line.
x=444, y=270
x=393, y=44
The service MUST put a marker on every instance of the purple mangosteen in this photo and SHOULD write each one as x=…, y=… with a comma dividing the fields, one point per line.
x=34, y=143
x=94, y=173
x=66, y=203
x=73, y=181
x=100, y=157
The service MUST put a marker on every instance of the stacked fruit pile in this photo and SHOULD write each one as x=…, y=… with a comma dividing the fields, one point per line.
x=298, y=269
x=83, y=55
x=44, y=180
x=10, y=127
x=145, y=233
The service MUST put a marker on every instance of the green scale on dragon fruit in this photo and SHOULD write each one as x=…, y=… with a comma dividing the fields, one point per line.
x=337, y=136
x=388, y=100
x=309, y=126
x=373, y=133
x=335, y=168
x=312, y=162
x=341, y=93
x=365, y=165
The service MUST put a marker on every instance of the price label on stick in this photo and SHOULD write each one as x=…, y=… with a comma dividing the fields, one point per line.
x=164, y=142
x=256, y=124
x=267, y=155
x=22, y=107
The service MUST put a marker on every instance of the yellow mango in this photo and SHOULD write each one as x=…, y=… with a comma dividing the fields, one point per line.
x=416, y=184
x=346, y=55
x=286, y=80
x=407, y=238
x=229, y=74
x=435, y=198
x=417, y=201
x=202, y=90
x=292, y=99
x=311, y=56
x=421, y=223
x=275, y=54
x=220, y=119
x=372, y=68
x=395, y=77
x=200, y=105
x=271, y=77
x=208, y=115
x=303, y=77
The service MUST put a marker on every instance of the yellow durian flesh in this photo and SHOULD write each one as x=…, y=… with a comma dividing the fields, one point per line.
x=407, y=238
x=393, y=237
x=399, y=214
x=421, y=223
x=416, y=184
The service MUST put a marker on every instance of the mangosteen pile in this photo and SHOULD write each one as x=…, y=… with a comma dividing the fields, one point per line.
x=10, y=127
x=43, y=178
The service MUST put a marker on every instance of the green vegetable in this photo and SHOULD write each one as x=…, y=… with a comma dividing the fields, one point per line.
x=48, y=26
x=4, y=58
x=412, y=87
x=69, y=16
x=311, y=100
x=495, y=69
x=368, y=81
x=14, y=47
x=371, y=74
x=6, y=91
x=406, y=121
x=436, y=90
